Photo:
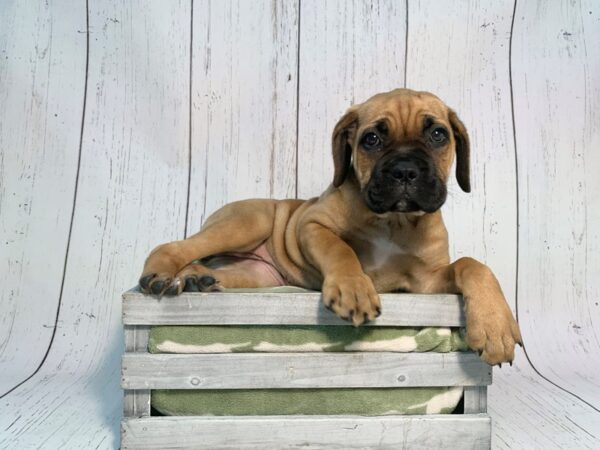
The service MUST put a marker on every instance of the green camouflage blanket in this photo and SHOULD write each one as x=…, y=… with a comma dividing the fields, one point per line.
x=364, y=401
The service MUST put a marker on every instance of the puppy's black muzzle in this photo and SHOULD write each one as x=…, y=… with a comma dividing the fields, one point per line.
x=405, y=182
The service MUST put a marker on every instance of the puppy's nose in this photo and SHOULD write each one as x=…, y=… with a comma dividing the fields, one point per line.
x=406, y=171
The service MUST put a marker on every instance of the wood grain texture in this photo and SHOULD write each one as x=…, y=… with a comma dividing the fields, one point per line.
x=309, y=432
x=530, y=413
x=243, y=103
x=556, y=82
x=136, y=403
x=284, y=309
x=462, y=56
x=302, y=370
x=475, y=399
x=42, y=56
x=349, y=51
x=137, y=140
x=130, y=197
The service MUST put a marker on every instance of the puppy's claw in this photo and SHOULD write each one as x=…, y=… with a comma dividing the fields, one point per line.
x=145, y=280
x=191, y=284
x=157, y=287
x=206, y=281
x=173, y=288
x=377, y=311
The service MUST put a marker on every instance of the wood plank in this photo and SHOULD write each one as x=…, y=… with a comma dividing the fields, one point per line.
x=475, y=399
x=136, y=403
x=244, y=85
x=284, y=309
x=136, y=338
x=131, y=196
x=556, y=79
x=310, y=432
x=42, y=56
x=302, y=370
x=349, y=51
x=530, y=413
x=460, y=53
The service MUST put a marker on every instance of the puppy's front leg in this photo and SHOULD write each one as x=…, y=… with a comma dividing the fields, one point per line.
x=347, y=290
x=491, y=328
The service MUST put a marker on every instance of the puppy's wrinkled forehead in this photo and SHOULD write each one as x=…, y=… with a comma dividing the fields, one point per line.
x=403, y=112
x=402, y=120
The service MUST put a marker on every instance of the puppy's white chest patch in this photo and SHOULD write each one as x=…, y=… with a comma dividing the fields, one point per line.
x=381, y=251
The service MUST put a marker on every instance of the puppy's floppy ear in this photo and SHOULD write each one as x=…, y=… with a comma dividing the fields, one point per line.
x=341, y=148
x=463, y=151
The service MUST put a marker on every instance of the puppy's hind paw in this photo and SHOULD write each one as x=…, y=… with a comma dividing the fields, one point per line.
x=201, y=283
x=154, y=283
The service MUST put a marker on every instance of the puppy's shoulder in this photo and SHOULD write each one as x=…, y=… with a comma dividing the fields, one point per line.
x=332, y=209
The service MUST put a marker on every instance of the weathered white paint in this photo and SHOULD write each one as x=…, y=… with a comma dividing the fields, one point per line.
x=556, y=81
x=244, y=82
x=349, y=51
x=136, y=403
x=302, y=370
x=139, y=85
x=530, y=413
x=475, y=399
x=130, y=197
x=284, y=309
x=42, y=57
x=463, y=57
x=311, y=432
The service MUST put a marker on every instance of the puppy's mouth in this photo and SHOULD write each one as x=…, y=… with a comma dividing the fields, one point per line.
x=405, y=184
x=380, y=206
x=406, y=205
x=408, y=201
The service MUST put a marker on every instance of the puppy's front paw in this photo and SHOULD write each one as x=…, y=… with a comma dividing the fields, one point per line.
x=351, y=297
x=491, y=329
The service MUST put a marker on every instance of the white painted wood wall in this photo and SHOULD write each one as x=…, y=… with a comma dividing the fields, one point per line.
x=123, y=124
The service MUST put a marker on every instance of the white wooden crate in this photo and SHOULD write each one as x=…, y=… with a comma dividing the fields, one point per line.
x=142, y=371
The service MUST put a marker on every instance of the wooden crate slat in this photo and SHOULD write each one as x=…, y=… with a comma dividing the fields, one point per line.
x=136, y=403
x=302, y=370
x=227, y=308
x=475, y=399
x=315, y=432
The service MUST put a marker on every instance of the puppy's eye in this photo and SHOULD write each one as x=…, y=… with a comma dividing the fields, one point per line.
x=370, y=141
x=439, y=135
